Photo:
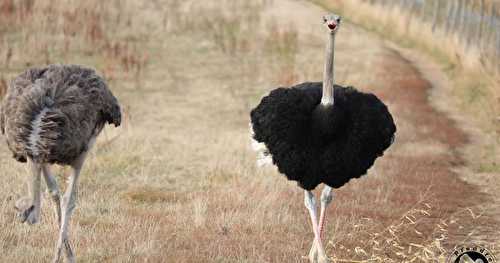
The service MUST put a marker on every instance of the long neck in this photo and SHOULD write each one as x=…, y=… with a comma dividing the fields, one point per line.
x=328, y=73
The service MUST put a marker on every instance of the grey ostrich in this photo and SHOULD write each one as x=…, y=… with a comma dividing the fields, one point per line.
x=53, y=115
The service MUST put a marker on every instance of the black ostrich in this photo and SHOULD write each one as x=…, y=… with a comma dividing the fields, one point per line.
x=53, y=115
x=321, y=133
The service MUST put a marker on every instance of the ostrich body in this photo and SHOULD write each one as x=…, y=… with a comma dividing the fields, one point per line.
x=321, y=133
x=51, y=116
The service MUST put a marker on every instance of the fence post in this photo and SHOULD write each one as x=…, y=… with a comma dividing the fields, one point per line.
x=436, y=14
x=481, y=22
x=422, y=9
x=463, y=3
x=456, y=16
x=467, y=23
x=450, y=18
x=494, y=59
x=490, y=32
x=413, y=5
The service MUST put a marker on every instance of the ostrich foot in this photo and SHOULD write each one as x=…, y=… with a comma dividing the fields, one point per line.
x=57, y=256
x=316, y=257
x=313, y=254
x=26, y=211
x=323, y=259
x=69, y=252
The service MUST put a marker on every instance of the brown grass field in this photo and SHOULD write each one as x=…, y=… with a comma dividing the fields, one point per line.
x=177, y=181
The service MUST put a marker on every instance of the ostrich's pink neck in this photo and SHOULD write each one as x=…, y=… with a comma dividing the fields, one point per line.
x=328, y=73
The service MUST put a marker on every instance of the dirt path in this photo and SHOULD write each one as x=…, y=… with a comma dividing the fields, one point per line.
x=486, y=208
x=443, y=133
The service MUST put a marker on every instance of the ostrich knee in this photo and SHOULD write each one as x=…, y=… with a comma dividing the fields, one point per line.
x=326, y=199
x=56, y=198
x=309, y=201
x=326, y=196
x=55, y=195
x=69, y=202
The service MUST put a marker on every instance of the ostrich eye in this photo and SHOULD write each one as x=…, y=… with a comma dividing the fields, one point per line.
x=324, y=19
x=338, y=20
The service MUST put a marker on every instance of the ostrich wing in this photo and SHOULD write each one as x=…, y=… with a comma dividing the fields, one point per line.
x=282, y=122
x=283, y=115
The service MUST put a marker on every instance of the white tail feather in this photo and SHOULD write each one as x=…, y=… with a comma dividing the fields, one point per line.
x=263, y=156
x=35, y=132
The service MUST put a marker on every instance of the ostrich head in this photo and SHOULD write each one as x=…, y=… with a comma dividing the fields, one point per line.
x=332, y=22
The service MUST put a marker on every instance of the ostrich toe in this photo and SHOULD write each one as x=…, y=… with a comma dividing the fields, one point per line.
x=26, y=211
x=313, y=254
x=323, y=259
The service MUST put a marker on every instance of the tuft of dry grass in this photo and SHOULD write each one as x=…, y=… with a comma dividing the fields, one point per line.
x=151, y=195
x=3, y=87
x=389, y=245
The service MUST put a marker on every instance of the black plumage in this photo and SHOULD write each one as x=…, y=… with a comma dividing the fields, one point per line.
x=312, y=144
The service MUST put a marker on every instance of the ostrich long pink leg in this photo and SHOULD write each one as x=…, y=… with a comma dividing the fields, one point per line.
x=310, y=204
x=326, y=199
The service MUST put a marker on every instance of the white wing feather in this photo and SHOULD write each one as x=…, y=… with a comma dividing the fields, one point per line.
x=263, y=156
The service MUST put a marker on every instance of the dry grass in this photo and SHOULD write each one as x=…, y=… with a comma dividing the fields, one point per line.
x=177, y=181
x=3, y=87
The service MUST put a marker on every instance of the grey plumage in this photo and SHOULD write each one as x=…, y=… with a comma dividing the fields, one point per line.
x=53, y=115
x=50, y=114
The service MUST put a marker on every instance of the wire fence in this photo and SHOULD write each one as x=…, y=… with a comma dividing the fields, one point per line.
x=473, y=23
